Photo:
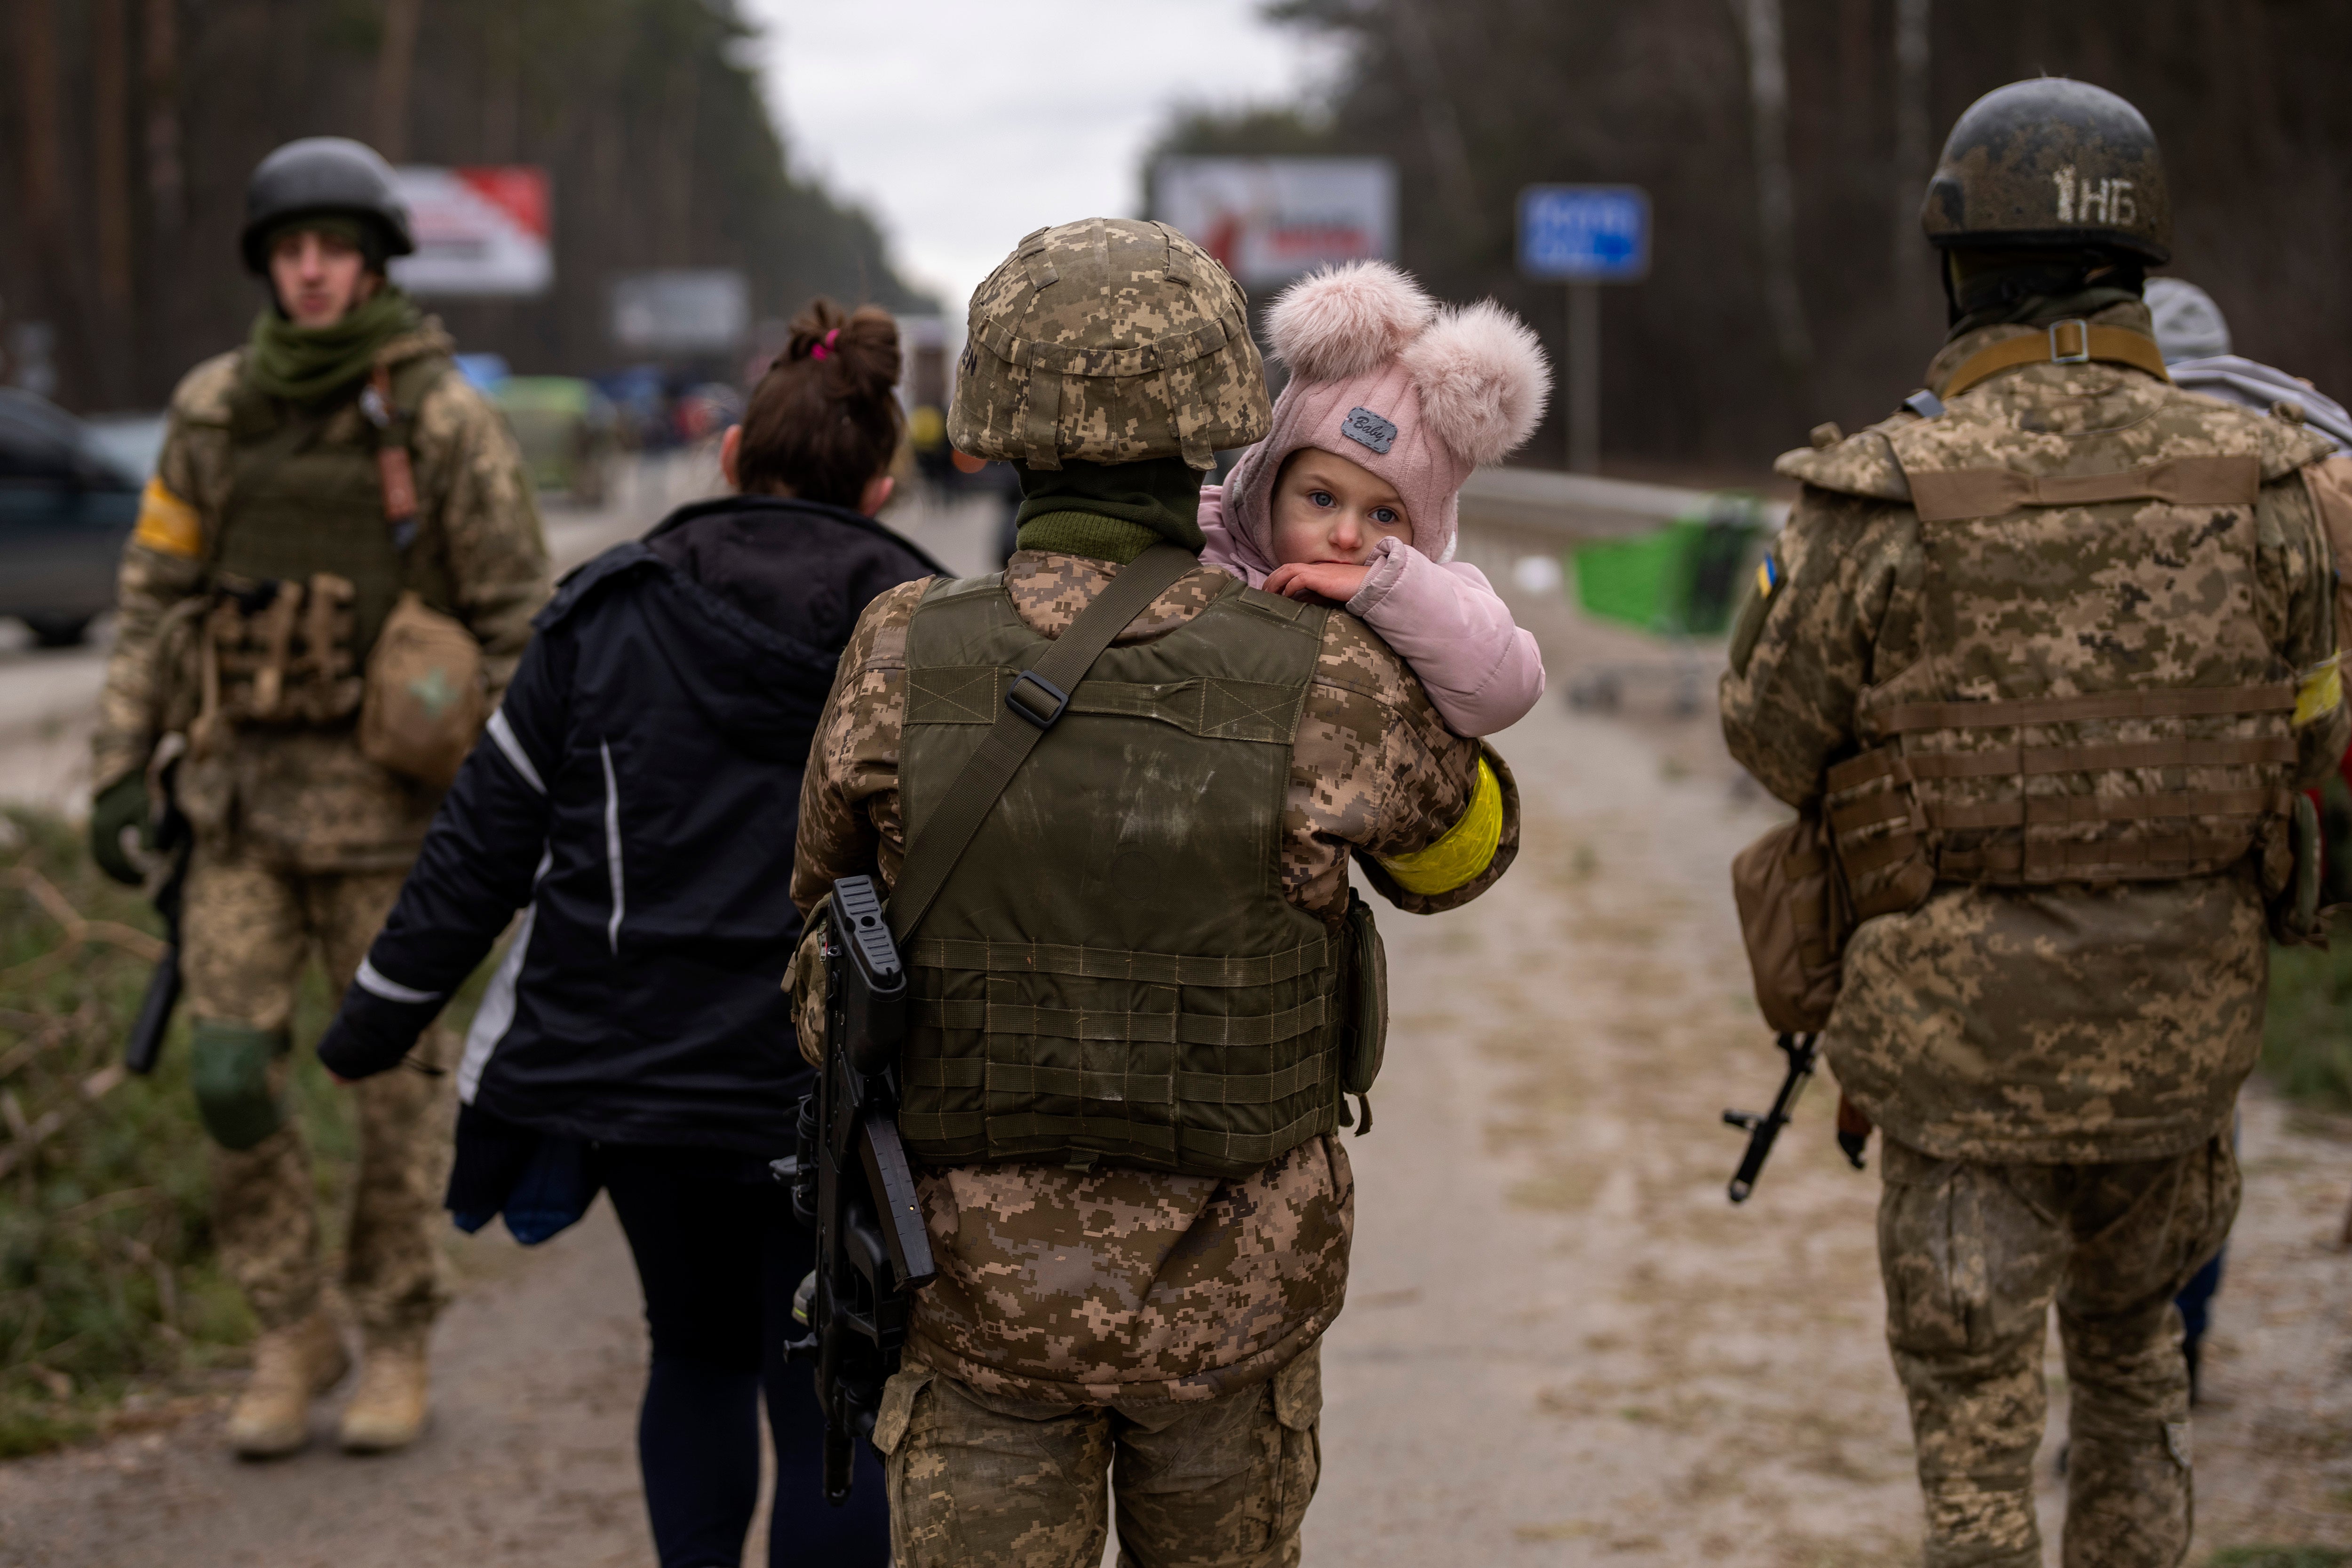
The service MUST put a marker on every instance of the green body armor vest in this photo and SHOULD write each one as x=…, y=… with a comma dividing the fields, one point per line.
x=1112, y=970
x=301, y=502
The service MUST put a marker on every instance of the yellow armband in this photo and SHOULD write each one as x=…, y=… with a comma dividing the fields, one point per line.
x=2320, y=694
x=1466, y=850
x=168, y=524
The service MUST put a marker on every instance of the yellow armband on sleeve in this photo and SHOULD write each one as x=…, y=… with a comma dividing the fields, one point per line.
x=2320, y=694
x=1466, y=850
x=168, y=524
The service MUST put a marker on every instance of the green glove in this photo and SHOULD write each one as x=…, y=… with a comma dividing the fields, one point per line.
x=121, y=804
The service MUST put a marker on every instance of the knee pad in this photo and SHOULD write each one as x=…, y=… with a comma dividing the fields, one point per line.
x=230, y=1071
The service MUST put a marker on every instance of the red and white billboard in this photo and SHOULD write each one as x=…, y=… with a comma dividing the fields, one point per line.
x=1268, y=220
x=480, y=231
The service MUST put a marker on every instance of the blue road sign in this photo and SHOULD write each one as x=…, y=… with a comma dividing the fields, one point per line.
x=1584, y=233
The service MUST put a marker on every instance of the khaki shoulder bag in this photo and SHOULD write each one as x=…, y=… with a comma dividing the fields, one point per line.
x=1795, y=918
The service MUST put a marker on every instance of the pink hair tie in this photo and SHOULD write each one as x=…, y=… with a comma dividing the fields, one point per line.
x=820, y=351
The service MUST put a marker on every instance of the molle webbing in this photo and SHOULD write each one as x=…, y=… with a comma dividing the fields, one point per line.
x=1113, y=971
x=2177, y=702
x=2063, y=343
x=307, y=496
x=1954, y=494
x=1880, y=818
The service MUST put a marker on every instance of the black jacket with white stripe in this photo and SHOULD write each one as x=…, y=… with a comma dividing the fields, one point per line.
x=636, y=796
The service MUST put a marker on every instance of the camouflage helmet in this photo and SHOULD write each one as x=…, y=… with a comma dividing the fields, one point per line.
x=1108, y=341
x=2051, y=162
x=321, y=176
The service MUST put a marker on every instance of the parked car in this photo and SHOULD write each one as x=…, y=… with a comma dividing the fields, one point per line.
x=567, y=432
x=66, y=507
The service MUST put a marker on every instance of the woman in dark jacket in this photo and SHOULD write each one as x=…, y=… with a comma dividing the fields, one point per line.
x=636, y=796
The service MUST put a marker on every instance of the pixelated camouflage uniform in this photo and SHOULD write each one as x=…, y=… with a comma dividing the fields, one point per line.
x=303, y=842
x=1170, y=1319
x=2054, y=1064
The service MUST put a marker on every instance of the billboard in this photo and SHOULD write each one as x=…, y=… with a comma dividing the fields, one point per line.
x=683, y=310
x=1270, y=219
x=480, y=231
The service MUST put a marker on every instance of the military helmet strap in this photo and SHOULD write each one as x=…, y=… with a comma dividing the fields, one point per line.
x=1027, y=714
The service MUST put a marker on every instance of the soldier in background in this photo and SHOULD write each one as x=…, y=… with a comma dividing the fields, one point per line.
x=2052, y=648
x=2195, y=339
x=332, y=476
x=1136, y=997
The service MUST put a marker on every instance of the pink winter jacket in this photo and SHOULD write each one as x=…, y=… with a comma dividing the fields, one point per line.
x=1482, y=671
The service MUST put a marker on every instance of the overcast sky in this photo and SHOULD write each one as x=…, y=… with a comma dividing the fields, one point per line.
x=963, y=124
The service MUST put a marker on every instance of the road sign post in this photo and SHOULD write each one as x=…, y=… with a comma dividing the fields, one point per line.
x=1584, y=235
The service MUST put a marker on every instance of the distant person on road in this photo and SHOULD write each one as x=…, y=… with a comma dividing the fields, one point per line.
x=333, y=575
x=1141, y=989
x=2049, y=654
x=1354, y=495
x=2195, y=338
x=637, y=799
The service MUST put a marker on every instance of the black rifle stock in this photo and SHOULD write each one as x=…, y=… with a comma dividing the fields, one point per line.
x=1802, y=1052
x=146, y=1043
x=851, y=1182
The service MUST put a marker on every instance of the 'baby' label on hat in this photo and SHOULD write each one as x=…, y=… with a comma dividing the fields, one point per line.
x=1369, y=429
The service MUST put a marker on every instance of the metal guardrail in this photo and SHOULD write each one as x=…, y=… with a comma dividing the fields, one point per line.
x=1583, y=505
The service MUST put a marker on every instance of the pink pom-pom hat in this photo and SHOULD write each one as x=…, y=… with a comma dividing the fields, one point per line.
x=1382, y=376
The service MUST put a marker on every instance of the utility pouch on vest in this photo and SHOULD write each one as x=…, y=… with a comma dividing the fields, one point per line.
x=1877, y=832
x=1368, y=1004
x=425, y=700
x=1795, y=918
x=275, y=653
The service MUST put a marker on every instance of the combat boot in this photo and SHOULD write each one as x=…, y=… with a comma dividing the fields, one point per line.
x=291, y=1366
x=388, y=1409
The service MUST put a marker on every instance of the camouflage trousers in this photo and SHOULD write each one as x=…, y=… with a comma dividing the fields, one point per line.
x=249, y=928
x=1973, y=1256
x=976, y=1481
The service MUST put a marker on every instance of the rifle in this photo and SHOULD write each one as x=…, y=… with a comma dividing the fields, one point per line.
x=1803, y=1050
x=851, y=1182
x=174, y=838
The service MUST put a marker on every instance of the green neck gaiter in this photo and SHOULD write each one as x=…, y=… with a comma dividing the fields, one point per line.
x=308, y=365
x=1112, y=512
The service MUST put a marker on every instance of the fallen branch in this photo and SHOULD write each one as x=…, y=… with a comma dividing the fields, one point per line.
x=80, y=931
x=27, y=1134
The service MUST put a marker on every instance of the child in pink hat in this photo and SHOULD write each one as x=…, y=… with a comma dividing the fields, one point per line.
x=1353, y=494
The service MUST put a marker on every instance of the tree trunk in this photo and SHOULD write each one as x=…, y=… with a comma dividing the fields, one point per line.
x=1449, y=150
x=1775, y=201
x=1906, y=260
x=110, y=149
x=166, y=179
x=393, y=68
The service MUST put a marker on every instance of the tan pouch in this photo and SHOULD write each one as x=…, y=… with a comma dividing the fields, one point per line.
x=1795, y=919
x=425, y=700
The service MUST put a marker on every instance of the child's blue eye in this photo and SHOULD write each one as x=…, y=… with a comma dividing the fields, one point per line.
x=1320, y=497
x=1385, y=516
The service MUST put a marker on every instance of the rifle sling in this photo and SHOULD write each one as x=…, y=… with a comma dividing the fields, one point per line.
x=935, y=849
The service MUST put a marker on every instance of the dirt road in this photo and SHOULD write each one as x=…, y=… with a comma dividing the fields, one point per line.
x=1561, y=1346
